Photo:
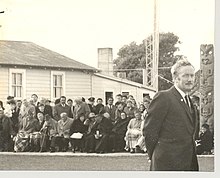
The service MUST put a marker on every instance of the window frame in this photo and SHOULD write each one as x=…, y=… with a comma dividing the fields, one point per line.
x=23, y=84
x=62, y=73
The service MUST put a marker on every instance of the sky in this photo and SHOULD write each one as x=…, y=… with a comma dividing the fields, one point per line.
x=76, y=28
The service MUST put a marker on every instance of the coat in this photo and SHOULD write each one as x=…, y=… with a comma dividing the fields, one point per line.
x=6, y=129
x=111, y=111
x=47, y=110
x=169, y=131
x=63, y=128
x=51, y=125
x=58, y=109
x=80, y=109
x=78, y=126
x=29, y=124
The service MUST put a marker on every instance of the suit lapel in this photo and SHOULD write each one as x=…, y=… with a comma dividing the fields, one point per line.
x=182, y=102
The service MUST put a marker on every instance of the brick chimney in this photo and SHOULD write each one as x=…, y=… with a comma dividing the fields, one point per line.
x=105, y=61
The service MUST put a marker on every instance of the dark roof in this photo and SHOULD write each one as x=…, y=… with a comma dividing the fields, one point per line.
x=22, y=53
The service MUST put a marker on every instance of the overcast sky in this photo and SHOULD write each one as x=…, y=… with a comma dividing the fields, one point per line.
x=76, y=28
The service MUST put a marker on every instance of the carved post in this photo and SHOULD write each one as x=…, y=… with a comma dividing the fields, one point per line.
x=207, y=85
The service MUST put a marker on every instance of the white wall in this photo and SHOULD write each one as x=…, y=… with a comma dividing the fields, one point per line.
x=4, y=83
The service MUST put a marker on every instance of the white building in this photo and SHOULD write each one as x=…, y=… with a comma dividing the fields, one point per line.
x=26, y=68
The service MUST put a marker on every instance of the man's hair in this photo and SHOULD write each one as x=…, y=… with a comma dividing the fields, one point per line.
x=124, y=96
x=100, y=99
x=34, y=95
x=119, y=95
x=180, y=63
x=62, y=97
x=70, y=100
x=205, y=126
x=110, y=98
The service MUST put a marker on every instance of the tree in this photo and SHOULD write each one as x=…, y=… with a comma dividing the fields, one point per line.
x=133, y=56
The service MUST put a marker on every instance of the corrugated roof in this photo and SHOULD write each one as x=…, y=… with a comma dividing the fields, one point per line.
x=29, y=54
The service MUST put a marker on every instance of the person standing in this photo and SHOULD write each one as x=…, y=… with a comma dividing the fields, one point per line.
x=70, y=104
x=80, y=108
x=110, y=108
x=91, y=104
x=61, y=108
x=171, y=124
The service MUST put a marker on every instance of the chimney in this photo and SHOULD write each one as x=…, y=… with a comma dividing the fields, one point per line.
x=105, y=61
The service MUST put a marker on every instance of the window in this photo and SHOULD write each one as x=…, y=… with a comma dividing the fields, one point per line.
x=58, y=84
x=17, y=81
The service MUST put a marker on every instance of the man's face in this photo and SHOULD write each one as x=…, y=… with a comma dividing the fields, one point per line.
x=120, y=107
x=63, y=116
x=99, y=102
x=34, y=97
x=19, y=103
x=185, y=79
x=92, y=102
x=12, y=106
x=25, y=103
x=40, y=116
x=62, y=100
x=110, y=101
x=41, y=108
x=129, y=104
x=203, y=129
x=69, y=103
x=123, y=116
x=146, y=104
x=124, y=99
x=118, y=98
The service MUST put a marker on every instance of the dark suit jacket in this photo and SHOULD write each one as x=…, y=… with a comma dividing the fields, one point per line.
x=111, y=111
x=206, y=141
x=169, y=131
x=58, y=109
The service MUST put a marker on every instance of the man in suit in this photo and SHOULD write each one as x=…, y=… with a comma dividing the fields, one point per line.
x=70, y=104
x=110, y=108
x=80, y=108
x=62, y=107
x=171, y=124
x=34, y=97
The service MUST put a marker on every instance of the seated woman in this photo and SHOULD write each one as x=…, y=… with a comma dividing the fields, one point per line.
x=116, y=139
x=35, y=137
x=97, y=140
x=48, y=134
x=6, y=132
x=89, y=144
x=28, y=125
x=77, y=132
x=134, y=132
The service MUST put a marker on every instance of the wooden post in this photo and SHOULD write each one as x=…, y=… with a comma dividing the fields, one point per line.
x=207, y=85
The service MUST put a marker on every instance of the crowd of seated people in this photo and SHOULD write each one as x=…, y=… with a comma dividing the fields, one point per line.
x=35, y=125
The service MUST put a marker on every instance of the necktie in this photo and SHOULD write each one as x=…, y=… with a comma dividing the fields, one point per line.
x=188, y=102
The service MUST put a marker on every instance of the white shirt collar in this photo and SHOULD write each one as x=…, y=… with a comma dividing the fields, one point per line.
x=181, y=92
